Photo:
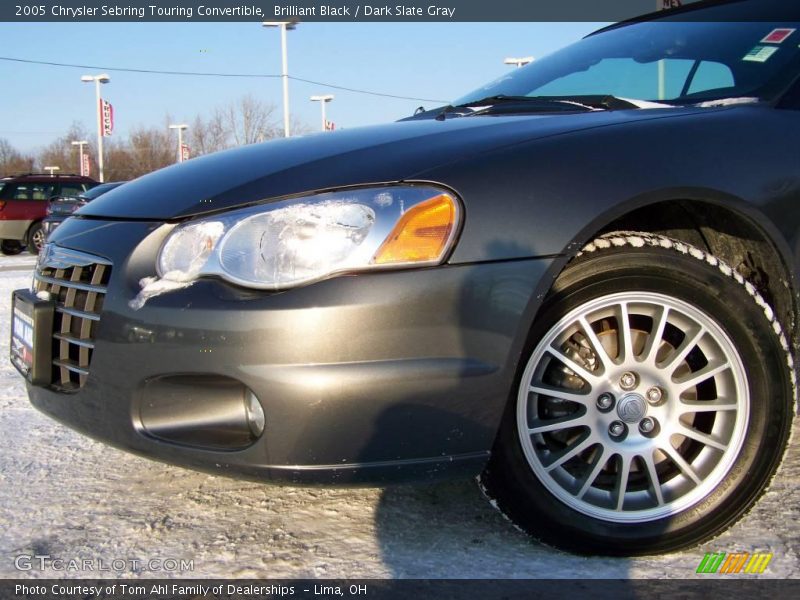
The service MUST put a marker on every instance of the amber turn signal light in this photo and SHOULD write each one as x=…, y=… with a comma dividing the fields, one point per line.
x=422, y=235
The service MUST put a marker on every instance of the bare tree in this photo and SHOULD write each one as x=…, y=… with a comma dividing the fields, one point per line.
x=299, y=127
x=61, y=153
x=249, y=121
x=208, y=135
x=12, y=161
x=147, y=149
x=151, y=149
x=118, y=164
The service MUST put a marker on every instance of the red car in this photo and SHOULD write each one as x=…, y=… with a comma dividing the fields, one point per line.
x=23, y=206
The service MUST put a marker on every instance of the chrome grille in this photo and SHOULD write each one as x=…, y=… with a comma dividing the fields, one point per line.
x=77, y=282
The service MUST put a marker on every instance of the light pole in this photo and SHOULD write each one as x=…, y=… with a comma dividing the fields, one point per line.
x=80, y=144
x=520, y=62
x=98, y=79
x=52, y=170
x=180, y=129
x=283, y=26
x=662, y=66
x=323, y=100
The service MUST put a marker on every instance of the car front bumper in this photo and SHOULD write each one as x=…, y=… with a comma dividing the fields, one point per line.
x=14, y=229
x=371, y=378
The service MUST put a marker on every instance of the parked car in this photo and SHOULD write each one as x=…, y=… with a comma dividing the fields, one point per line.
x=23, y=206
x=578, y=282
x=62, y=207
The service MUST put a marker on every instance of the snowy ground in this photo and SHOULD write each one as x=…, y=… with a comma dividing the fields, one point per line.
x=64, y=495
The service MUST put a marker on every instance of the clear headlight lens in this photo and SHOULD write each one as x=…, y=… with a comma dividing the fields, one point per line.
x=187, y=250
x=293, y=242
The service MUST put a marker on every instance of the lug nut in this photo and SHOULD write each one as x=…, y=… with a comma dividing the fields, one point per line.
x=647, y=425
x=605, y=401
x=617, y=428
x=654, y=395
x=627, y=381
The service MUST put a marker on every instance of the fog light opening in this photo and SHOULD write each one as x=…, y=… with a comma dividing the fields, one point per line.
x=255, y=414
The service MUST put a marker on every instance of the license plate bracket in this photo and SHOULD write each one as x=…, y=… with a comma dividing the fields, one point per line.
x=32, y=336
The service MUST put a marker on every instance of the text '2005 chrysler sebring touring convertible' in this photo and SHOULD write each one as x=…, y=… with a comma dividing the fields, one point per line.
x=578, y=282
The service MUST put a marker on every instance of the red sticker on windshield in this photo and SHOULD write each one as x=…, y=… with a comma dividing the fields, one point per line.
x=778, y=36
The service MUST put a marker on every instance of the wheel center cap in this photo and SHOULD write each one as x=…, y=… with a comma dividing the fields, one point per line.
x=632, y=408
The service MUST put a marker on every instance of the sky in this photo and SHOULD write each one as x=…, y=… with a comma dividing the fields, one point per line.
x=437, y=61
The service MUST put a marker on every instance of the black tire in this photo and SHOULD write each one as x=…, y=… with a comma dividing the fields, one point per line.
x=36, y=238
x=11, y=247
x=643, y=266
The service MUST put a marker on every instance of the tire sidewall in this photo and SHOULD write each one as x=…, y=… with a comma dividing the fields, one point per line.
x=11, y=247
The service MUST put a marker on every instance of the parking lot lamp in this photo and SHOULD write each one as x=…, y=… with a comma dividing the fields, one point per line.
x=284, y=26
x=323, y=100
x=98, y=79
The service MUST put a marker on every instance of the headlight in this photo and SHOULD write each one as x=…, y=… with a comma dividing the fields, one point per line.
x=299, y=241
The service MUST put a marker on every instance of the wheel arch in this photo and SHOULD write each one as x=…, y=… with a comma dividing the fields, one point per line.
x=721, y=224
x=32, y=225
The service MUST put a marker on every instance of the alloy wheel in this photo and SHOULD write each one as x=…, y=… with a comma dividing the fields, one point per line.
x=633, y=407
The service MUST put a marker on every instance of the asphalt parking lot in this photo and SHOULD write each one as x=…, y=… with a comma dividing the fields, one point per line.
x=66, y=496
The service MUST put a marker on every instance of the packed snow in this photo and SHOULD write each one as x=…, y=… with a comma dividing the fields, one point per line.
x=66, y=496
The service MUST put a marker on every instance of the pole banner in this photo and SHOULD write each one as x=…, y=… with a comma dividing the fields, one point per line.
x=107, y=117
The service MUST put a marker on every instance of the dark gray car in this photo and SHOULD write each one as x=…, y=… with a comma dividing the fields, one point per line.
x=579, y=282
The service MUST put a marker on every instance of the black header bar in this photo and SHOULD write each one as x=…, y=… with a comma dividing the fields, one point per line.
x=706, y=588
x=329, y=10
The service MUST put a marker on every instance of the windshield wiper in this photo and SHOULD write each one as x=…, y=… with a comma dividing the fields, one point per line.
x=509, y=104
x=516, y=104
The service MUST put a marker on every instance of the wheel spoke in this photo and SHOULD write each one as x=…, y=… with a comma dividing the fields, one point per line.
x=622, y=479
x=681, y=463
x=576, y=449
x=675, y=360
x=652, y=475
x=700, y=376
x=626, y=340
x=559, y=424
x=561, y=394
x=592, y=475
x=703, y=438
x=703, y=406
x=654, y=340
x=597, y=345
x=580, y=371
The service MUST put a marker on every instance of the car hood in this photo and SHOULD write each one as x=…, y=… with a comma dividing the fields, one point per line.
x=366, y=155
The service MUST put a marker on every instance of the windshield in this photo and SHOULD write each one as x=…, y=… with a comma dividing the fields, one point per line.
x=663, y=62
